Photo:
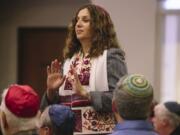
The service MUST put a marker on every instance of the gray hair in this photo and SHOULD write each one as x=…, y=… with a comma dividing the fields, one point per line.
x=132, y=106
x=173, y=118
x=45, y=119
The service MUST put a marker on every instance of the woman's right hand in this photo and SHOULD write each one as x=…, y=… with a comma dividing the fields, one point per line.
x=54, y=78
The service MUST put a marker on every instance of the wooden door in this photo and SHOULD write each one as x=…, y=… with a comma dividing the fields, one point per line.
x=37, y=47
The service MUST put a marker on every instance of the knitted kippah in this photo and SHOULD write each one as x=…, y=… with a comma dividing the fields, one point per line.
x=60, y=114
x=136, y=85
x=173, y=107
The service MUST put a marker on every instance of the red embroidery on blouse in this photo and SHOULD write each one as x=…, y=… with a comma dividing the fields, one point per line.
x=82, y=66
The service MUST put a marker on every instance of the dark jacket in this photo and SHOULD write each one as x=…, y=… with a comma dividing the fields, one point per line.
x=176, y=131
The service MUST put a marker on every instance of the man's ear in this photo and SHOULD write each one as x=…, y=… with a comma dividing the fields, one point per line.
x=116, y=113
x=45, y=131
x=4, y=121
x=114, y=108
x=165, y=122
x=39, y=114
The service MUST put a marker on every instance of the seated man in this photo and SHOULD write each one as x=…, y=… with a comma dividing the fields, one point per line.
x=131, y=105
x=19, y=110
x=166, y=118
x=57, y=120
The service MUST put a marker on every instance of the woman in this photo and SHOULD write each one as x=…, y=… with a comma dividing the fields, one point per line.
x=93, y=64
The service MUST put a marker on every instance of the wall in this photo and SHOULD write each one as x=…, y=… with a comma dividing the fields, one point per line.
x=135, y=24
x=28, y=13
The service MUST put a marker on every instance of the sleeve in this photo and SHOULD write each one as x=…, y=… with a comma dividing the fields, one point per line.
x=45, y=102
x=116, y=68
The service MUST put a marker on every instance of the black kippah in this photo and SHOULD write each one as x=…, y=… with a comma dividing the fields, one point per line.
x=173, y=107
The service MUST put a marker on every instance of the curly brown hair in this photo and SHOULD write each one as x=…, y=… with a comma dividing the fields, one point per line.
x=104, y=35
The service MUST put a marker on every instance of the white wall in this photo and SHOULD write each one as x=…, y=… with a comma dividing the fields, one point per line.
x=135, y=24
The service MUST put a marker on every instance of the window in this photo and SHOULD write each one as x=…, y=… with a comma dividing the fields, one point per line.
x=170, y=50
x=171, y=4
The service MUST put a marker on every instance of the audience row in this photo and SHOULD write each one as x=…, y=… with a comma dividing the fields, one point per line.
x=131, y=105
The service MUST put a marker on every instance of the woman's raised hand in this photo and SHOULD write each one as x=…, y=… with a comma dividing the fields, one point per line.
x=54, y=78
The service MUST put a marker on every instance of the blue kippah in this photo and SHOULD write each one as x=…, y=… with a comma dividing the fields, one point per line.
x=136, y=85
x=173, y=107
x=60, y=114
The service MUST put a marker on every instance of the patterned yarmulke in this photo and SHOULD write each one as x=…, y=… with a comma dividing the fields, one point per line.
x=136, y=85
